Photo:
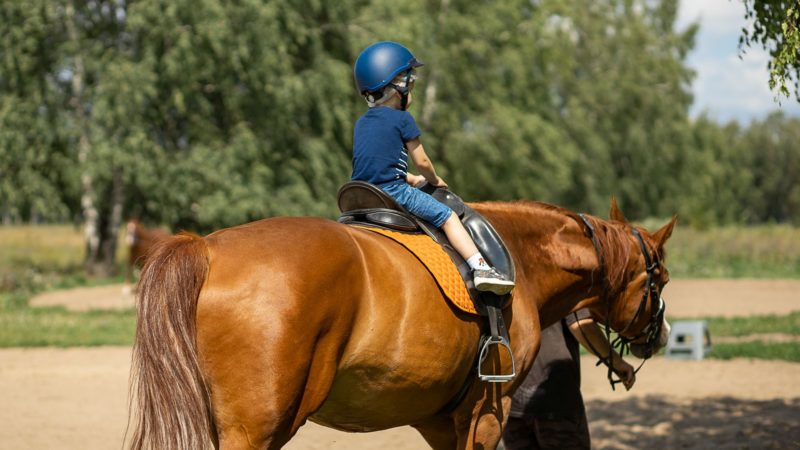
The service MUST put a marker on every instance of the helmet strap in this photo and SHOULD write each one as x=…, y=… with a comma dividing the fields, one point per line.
x=403, y=97
x=376, y=98
x=404, y=91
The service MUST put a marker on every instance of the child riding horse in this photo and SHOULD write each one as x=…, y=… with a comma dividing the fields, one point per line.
x=247, y=333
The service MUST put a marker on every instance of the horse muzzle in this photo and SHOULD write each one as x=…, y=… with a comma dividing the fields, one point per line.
x=645, y=350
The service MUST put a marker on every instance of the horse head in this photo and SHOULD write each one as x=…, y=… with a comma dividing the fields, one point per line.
x=633, y=305
x=132, y=232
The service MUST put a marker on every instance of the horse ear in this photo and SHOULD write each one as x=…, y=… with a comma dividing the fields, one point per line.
x=615, y=213
x=661, y=236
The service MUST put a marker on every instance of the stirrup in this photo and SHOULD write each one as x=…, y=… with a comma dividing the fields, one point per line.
x=500, y=342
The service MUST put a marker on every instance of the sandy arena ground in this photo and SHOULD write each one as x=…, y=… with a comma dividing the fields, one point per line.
x=76, y=398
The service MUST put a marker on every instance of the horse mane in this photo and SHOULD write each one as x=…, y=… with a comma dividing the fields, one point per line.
x=613, y=236
x=614, y=240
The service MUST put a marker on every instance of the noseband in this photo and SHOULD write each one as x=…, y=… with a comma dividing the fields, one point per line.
x=652, y=330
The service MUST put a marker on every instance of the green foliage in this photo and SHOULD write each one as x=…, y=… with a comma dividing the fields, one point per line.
x=38, y=327
x=31, y=131
x=776, y=27
x=203, y=114
x=775, y=168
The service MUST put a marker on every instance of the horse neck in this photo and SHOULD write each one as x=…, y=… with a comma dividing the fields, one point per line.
x=557, y=264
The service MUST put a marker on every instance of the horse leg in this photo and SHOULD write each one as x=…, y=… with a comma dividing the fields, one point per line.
x=439, y=433
x=483, y=429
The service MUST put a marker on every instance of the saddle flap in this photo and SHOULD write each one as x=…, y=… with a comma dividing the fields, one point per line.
x=489, y=242
x=486, y=238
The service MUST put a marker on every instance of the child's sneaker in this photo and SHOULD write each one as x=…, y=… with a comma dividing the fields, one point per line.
x=489, y=280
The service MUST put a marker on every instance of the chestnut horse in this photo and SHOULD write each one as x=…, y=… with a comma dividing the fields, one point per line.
x=247, y=333
x=139, y=240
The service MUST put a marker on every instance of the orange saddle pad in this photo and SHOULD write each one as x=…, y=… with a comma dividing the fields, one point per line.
x=438, y=263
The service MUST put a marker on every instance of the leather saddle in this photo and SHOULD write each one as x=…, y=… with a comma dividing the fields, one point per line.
x=362, y=203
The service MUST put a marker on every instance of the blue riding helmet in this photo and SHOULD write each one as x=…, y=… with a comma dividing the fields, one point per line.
x=379, y=63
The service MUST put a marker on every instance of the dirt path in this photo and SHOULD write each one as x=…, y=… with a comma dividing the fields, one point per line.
x=728, y=298
x=76, y=398
x=114, y=296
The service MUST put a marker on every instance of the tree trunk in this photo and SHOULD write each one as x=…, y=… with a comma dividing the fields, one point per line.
x=109, y=241
x=429, y=106
x=91, y=217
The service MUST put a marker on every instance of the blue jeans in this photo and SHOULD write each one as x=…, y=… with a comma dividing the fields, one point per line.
x=418, y=203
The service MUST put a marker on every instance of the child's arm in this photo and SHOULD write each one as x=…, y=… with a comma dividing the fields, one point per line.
x=423, y=163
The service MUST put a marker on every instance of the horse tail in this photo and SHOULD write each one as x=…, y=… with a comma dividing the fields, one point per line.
x=169, y=399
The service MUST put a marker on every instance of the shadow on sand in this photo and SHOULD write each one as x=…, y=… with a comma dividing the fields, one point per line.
x=716, y=423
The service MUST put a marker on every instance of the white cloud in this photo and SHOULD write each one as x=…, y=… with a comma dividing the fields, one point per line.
x=716, y=16
x=728, y=87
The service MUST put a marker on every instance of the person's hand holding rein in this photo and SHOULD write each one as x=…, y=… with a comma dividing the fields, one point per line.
x=625, y=372
x=440, y=183
x=592, y=338
x=418, y=180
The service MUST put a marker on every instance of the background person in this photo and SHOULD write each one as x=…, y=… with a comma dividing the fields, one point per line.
x=547, y=411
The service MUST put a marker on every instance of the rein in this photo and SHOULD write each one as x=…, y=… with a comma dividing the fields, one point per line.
x=653, y=328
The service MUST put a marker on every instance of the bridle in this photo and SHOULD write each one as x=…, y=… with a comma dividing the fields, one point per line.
x=652, y=330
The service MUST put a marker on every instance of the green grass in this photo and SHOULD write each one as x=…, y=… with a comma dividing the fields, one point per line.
x=57, y=327
x=744, y=326
x=39, y=258
x=767, y=251
x=786, y=351
x=56, y=247
x=45, y=257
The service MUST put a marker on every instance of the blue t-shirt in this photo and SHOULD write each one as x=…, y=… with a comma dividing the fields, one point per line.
x=379, y=145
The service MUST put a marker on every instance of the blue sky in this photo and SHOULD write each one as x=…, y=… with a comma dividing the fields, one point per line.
x=726, y=86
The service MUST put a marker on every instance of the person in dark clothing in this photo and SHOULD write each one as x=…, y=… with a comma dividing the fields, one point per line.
x=547, y=411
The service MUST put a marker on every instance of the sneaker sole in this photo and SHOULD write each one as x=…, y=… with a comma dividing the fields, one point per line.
x=494, y=286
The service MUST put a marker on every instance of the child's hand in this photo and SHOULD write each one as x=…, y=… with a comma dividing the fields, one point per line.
x=440, y=183
x=415, y=180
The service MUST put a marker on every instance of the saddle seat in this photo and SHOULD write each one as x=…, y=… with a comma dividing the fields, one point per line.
x=362, y=203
